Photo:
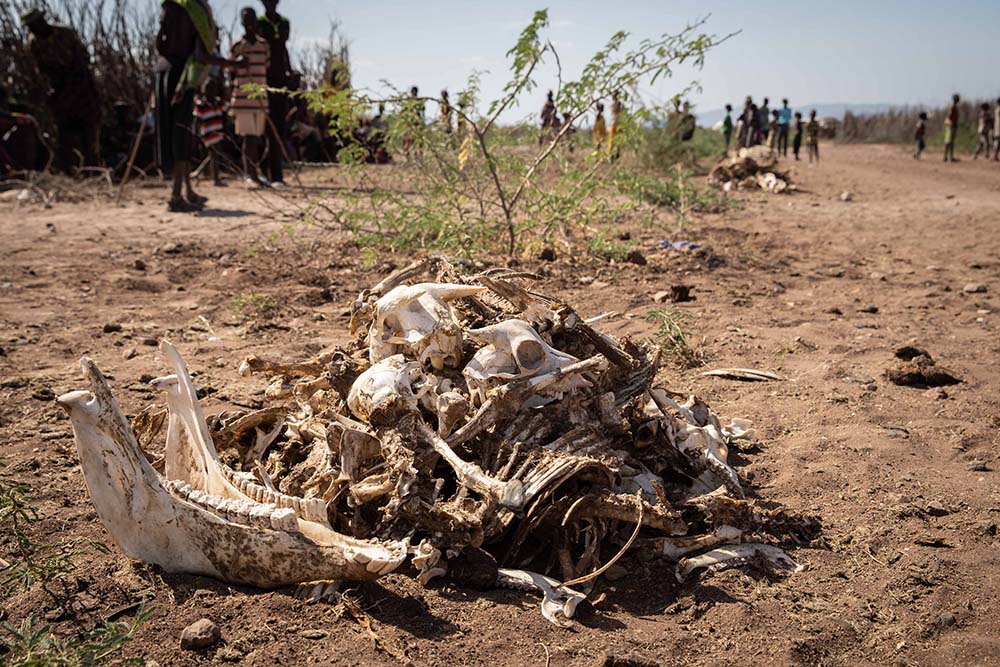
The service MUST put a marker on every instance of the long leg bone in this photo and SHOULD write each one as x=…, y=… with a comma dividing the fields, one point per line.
x=510, y=494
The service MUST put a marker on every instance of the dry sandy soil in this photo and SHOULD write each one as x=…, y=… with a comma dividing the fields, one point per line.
x=903, y=479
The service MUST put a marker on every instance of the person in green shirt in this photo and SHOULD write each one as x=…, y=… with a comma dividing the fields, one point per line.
x=727, y=127
x=812, y=137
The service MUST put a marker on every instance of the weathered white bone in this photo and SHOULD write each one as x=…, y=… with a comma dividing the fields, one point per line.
x=558, y=602
x=734, y=556
x=385, y=389
x=676, y=547
x=514, y=350
x=418, y=319
x=510, y=494
x=451, y=407
x=170, y=529
x=698, y=432
x=190, y=455
x=426, y=558
x=354, y=445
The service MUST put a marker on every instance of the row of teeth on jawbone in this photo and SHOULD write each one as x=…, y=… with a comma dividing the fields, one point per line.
x=243, y=512
x=310, y=509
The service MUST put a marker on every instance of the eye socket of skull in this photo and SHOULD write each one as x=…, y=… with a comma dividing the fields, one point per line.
x=390, y=325
x=529, y=354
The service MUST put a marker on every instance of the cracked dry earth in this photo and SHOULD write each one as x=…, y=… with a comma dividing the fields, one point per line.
x=903, y=479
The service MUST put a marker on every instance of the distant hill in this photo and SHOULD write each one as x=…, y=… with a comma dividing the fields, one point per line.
x=835, y=110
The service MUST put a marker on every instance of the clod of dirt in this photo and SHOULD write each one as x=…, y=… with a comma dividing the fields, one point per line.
x=636, y=257
x=919, y=370
x=314, y=633
x=111, y=327
x=200, y=634
x=947, y=619
x=676, y=294
x=680, y=293
x=974, y=288
x=870, y=308
x=908, y=352
x=139, y=265
x=43, y=394
x=937, y=393
x=547, y=255
x=130, y=353
x=833, y=310
x=227, y=654
x=934, y=508
x=473, y=568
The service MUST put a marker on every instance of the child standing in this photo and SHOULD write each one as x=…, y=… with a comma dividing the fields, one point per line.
x=920, y=133
x=727, y=127
x=996, y=131
x=209, y=110
x=250, y=110
x=797, y=139
x=984, y=130
x=600, y=131
x=951, y=129
x=812, y=137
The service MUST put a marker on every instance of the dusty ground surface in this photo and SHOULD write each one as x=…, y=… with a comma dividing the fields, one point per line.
x=903, y=479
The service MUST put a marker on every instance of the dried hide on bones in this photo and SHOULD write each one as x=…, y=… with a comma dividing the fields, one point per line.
x=475, y=427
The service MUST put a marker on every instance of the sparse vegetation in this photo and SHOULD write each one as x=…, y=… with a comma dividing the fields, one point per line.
x=487, y=187
x=30, y=644
x=672, y=335
x=31, y=562
x=253, y=306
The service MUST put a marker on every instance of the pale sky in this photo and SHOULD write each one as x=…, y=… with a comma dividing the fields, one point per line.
x=856, y=51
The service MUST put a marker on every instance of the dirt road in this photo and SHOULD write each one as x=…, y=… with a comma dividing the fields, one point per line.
x=815, y=288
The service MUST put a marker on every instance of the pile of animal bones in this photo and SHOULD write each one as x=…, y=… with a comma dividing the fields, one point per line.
x=749, y=169
x=475, y=427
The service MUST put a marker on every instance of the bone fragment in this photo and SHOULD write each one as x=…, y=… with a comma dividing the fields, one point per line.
x=559, y=603
x=734, y=556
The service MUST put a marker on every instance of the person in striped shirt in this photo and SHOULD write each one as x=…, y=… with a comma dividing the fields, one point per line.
x=249, y=108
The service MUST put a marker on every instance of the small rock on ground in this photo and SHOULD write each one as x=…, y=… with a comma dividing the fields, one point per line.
x=934, y=508
x=974, y=288
x=200, y=634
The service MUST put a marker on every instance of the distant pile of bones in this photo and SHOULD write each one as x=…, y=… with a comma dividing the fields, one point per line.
x=477, y=429
x=751, y=169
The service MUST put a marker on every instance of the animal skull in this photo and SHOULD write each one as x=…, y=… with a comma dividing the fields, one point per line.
x=514, y=350
x=419, y=320
x=386, y=390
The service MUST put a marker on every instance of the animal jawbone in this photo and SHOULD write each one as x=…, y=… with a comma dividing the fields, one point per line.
x=215, y=522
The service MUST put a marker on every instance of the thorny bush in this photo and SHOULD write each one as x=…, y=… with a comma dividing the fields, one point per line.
x=483, y=186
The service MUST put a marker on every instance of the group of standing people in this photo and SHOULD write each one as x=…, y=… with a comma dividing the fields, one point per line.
x=187, y=42
x=987, y=131
x=761, y=125
x=602, y=132
x=188, y=68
